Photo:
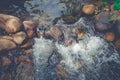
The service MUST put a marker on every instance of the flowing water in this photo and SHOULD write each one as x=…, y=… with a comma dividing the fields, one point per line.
x=89, y=59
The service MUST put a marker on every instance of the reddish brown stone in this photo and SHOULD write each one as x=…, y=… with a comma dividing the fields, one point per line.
x=109, y=36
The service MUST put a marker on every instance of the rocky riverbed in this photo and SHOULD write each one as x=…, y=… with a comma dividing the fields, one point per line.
x=59, y=40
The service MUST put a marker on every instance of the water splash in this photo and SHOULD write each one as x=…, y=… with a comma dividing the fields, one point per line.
x=82, y=60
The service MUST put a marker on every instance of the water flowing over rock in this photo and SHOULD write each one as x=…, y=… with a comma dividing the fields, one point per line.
x=84, y=57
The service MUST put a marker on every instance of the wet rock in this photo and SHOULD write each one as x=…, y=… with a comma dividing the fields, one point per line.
x=102, y=21
x=6, y=61
x=61, y=71
x=118, y=26
x=6, y=37
x=107, y=8
x=25, y=72
x=29, y=43
x=117, y=44
x=6, y=44
x=76, y=29
x=28, y=25
x=6, y=76
x=28, y=51
x=110, y=36
x=78, y=64
x=55, y=33
x=38, y=34
x=68, y=42
x=19, y=37
x=24, y=59
x=30, y=33
x=10, y=24
x=81, y=36
x=88, y=9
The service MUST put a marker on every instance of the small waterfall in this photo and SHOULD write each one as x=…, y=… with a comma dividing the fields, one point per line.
x=82, y=61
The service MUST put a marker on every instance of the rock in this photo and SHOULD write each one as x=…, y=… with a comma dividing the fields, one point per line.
x=24, y=59
x=68, y=42
x=81, y=36
x=29, y=43
x=6, y=61
x=118, y=26
x=6, y=44
x=6, y=76
x=6, y=37
x=102, y=21
x=38, y=34
x=76, y=29
x=117, y=44
x=88, y=9
x=28, y=25
x=110, y=36
x=61, y=71
x=19, y=37
x=28, y=51
x=55, y=33
x=30, y=33
x=10, y=24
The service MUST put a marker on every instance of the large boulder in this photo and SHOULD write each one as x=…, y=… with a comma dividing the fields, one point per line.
x=10, y=24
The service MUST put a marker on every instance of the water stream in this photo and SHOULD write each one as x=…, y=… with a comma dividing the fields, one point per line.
x=89, y=59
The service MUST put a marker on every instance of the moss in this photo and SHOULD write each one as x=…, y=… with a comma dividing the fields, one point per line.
x=117, y=5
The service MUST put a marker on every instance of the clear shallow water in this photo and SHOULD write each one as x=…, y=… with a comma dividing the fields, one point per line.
x=89, y=59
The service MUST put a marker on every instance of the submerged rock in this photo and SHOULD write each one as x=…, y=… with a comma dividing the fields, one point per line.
x=117, y=44
x=10, y=24
x=61, y=72
x=6, y=61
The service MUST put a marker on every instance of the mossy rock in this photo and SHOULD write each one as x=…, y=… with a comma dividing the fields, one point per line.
x=117, y=5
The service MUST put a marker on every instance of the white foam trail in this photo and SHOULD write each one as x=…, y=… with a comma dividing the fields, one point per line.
x=42, y=50
x=86, y=50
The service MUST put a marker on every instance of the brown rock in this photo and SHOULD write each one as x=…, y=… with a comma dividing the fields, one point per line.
x=55, y=33
x=28, y=25
x=29, y=43
x=5, y=61
x=38, y=34
x=117, y=44
x=19, y=37
x=76, y=29
x=88, y=9
x=68, y=42
x=6, y=44
x=61, y=71
x=28, y=51
x=30, y=33
x=24, y=59
x=9, y=23
x=109, y=36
